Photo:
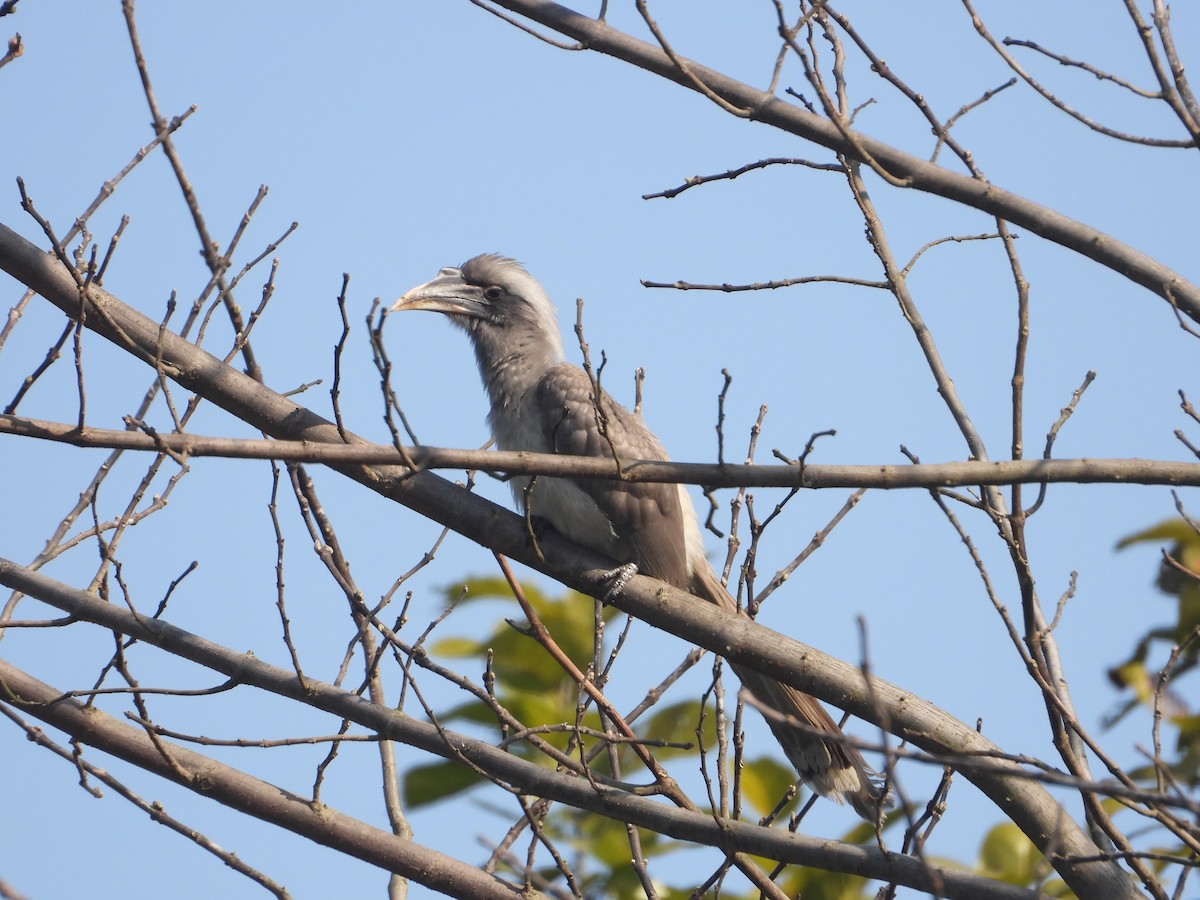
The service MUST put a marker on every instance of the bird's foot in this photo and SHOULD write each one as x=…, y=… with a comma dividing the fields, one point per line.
x=617, y=579
x=540, y=526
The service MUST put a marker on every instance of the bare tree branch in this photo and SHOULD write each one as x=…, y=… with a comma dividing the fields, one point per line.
x=714, y=475
x=529, y=777
x=918, y=174
x=247, y=794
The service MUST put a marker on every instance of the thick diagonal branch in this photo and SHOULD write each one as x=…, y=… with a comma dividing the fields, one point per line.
x=1028, y=805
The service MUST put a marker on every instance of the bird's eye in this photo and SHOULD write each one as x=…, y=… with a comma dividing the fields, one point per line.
x=493, y=293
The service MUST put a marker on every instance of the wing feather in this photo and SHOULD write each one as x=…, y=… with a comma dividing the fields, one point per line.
x=646, y=518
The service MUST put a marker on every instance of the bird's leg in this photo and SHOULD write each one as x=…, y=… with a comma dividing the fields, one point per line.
x=617, y=579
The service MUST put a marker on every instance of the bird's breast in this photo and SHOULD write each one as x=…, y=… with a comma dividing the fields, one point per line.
x=516, y=425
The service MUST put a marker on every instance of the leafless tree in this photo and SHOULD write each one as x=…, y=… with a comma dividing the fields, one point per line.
x=1105, y=828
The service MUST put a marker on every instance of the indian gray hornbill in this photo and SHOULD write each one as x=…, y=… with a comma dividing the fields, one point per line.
x=542, y=404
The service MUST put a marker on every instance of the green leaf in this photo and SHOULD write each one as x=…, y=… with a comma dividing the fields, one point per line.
x=437, y=781
x=1133, y=675
x=490, y=588
x=519, y=661
x=1189, y=609
x=1175, y=530
x=606, y=840
x=765, y=781
x=1008, y=855
x=1189, y=728
x=545, y=708
x=457, y=647
x=677, y=723
x=817, y=884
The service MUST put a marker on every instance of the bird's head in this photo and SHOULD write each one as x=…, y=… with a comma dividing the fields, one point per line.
x=487, y=293
x=502, y=307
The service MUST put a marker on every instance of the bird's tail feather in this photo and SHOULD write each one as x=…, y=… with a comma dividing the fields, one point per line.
x=831, y=767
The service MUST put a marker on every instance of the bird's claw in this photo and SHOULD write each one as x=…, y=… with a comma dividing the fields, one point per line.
x=617, y=579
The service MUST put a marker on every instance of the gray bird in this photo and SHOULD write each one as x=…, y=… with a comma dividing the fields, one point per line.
x=542, y=404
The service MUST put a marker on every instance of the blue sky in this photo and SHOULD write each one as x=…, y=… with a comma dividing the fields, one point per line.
x=406, y=137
